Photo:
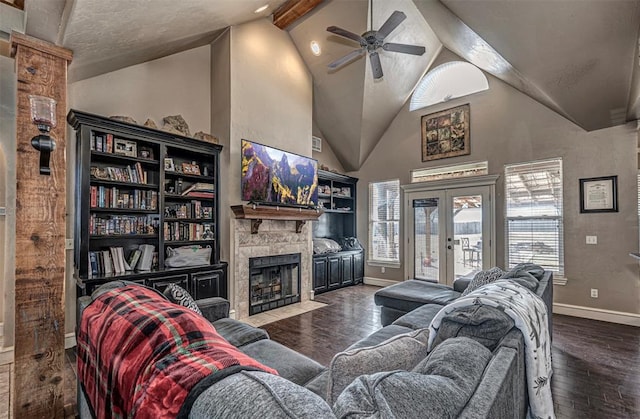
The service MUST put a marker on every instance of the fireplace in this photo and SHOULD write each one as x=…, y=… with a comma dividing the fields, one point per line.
x=274, y=281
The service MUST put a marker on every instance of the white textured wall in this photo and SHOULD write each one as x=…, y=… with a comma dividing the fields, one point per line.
x=270, y=102
x=509, y=127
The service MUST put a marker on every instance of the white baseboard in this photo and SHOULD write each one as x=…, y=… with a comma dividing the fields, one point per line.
x=378, y=282
x=620, y=317
x=69, y=340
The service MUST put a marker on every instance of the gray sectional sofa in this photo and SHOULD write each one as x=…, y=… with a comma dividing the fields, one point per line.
x=478, y=371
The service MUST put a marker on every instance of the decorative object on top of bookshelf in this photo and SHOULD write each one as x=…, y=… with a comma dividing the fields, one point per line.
x=176, y=124
x=168, y=164
x=122, y=118
x=124, y=147
x=446, y=133
x=599, y=194
x=150, y=123
x=206, y=137
x=190, y=168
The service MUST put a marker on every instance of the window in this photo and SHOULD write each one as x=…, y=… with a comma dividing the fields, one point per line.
x=448, y=81
x=450, y=172
x=533, y=219
x=384, y=222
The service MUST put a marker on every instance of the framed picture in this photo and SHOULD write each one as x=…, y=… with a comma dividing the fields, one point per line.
x=168, y=165
x=190, y=169
x=599, y=194
x=445, y=133
x=125, y=147
x=145, y=153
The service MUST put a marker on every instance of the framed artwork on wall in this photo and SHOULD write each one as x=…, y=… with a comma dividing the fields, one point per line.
x=445, y=133
x=599, y=194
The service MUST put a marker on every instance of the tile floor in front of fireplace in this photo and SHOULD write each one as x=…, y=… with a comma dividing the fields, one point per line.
x=282, y=313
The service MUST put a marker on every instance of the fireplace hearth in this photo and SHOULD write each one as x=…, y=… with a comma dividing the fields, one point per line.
x=274, y=281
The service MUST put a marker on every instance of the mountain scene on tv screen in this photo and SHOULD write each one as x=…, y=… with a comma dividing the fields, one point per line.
x=275, y=176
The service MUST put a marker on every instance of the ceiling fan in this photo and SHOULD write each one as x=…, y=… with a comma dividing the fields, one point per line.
x=371, y=41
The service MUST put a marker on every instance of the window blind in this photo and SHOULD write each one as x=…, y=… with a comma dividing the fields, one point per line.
x=384, y=222
x=534, y=223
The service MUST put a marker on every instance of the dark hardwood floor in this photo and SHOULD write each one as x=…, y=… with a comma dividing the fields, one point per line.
x=596, y=364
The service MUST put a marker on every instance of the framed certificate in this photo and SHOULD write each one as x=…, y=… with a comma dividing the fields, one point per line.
x=599, y=194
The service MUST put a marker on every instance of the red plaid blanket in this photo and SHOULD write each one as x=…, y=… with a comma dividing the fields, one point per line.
x=139, y=355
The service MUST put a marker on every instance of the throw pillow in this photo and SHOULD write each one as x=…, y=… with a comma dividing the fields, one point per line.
x=401, y=352
x=178, y=295
x=438, y=387
x=484, y=324
x=483, y=278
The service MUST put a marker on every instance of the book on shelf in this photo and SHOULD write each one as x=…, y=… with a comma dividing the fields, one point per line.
x=133, y=259
x=146, y=258
x=198, y=187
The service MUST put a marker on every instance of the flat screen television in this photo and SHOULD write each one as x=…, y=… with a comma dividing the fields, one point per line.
x=277, y=177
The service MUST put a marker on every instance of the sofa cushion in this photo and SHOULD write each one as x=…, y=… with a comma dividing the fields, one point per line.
x=411, y=294
x=290, y=364
x=238, y=333
x=178, y=295
x=251, y=394
x=483, y=278
x=401, y=352
x=438, y=387
x=484, y=324
x=419, y=318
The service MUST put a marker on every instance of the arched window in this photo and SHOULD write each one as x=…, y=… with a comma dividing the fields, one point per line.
x=448, y=81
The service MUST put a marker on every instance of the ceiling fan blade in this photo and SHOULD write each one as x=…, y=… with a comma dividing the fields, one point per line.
x=346, y=34
x=347, y=59
x=404, y=48
x=376, y=67
x=394, y=20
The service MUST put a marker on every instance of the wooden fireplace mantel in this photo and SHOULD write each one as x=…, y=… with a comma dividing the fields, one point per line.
x=256, y=213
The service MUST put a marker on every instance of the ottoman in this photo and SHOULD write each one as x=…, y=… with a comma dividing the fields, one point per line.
x=401, y=298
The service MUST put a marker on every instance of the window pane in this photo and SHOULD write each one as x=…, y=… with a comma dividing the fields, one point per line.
x=384, y=221
x=534, y=223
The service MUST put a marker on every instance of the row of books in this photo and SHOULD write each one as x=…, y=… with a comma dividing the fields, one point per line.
x=180, y=231
x=193, y=209
x=123, y=224
x=112, y=260
x=129, y=174
x=101, y=142
x=105, y=197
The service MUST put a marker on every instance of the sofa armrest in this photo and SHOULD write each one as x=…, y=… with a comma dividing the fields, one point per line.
x=214, y=308
x=461, y=284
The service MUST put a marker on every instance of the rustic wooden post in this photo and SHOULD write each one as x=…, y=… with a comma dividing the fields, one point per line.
x=40, y=236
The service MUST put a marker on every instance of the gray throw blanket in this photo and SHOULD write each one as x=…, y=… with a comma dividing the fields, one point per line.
x=530, y=316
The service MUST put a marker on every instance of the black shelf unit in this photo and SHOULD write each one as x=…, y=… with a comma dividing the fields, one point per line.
x=125, y=195
x=337, y=194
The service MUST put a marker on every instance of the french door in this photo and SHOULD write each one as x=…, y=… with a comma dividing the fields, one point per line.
x=449, y=228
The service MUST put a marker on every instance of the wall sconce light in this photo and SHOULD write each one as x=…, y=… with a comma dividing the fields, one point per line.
x=43, y=115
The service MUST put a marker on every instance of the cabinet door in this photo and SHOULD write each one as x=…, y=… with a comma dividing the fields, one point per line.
x=209, y=284
x=334, y=275
x=319, y=274
x=358, y=267
x=347, y=269
x=161, y=283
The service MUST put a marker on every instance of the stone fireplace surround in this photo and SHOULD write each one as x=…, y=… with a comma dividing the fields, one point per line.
x=275, y=237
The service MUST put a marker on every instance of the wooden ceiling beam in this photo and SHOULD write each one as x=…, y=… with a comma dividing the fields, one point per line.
x=18, y=4
x=293, y=10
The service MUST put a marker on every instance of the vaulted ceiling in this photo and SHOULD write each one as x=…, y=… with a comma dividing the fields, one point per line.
x=578, y=58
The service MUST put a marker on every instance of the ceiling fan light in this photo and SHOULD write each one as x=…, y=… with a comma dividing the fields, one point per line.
x=315, y=48
x=261, y=9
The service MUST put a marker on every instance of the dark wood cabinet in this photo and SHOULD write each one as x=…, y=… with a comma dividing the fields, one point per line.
x=141, y=193
x=337, y=195
x=335, y=270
